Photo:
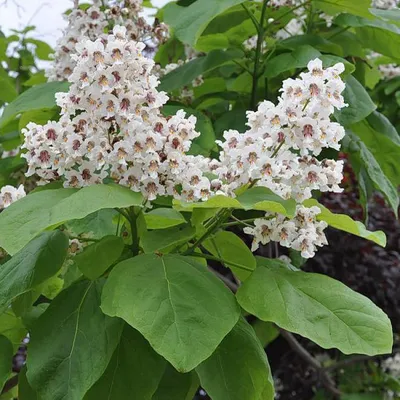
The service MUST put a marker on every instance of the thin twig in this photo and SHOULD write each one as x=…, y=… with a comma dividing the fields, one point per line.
x=326, y=380
x=348, y=361
x=231, y=285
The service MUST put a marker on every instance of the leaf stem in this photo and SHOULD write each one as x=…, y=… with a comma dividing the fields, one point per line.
x=133, y=216
x=260, y=40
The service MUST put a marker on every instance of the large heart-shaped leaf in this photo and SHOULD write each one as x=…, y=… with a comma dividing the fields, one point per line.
x=180, y=307
x=135, y=370
x=238, y=369
x=72, y=343
x=317, y=307
x=24, y=219
x=35, y=263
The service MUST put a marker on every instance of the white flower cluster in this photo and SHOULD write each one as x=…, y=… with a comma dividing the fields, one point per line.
x=268, y=152
x=92, y=24
x=10, y=194
x=389, y=71
x=385, y=4
x=111, y=127
x=303, y=233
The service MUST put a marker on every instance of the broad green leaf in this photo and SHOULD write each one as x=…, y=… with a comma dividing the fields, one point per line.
x=206, y=141
x=345, y=223
x=38, y=97
x=189, y=22
x=229, y=247
x=6, y=355
x=24, y=219
x=359, y=103
x=298, y=58
x=318, y=308
x=162, y=218
x=334, y=7
x=36, y=79
x=235, y=119
x=179, y=306
x=385, y=151
x=38, y=261
x=8, y=92
x=382, y=125
x=257, y=198
x=25, y=391
x=185, y=74
x=12, y=328
x=392, y=14
x=71, y=344
x=97, y=224
x=96, y=258
x=374, y=33
x=266, y=332
x=238, y=369
x=165, y=239
x=364, y=157
x=134, y=371
x=40, y=117
x=176, y=386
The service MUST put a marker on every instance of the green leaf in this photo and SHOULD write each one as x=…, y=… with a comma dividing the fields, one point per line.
x=172, y=301
x=71, y=344
x=359, y=103
x=385, y=151
x=135, y=370
x=25, y=391
x=162, y=218
x=345, y=223
x=96, y=258
x=298, y=58
x=36, y=79
x=40, y=117
x=12, y=328
x=206, y=140
x=97, y=224
x=163, y=240
x=176, y=386
x=169, y=52
x=189, y=22
x=8, y=92
x=24, y=219
x=229, y=247
x=364, y=157
x=382, y=125
x=238, y=369
x=318, y=42
x=43, y=50
x=266, y=332
x=34, y=264
x=318, y=308
x=6, y=355
x=374, y=33
x=256, y=198
x=334, y=7
x=185, y=74
x=36, y=98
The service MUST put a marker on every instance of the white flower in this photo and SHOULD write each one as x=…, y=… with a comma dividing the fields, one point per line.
x=10, y=194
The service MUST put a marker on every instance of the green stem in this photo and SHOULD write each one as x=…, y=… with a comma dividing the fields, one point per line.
x=252, y=17
x=260, y=40
x=221, y=217
x=221, y=260
x=133, y=216
x=239, y=222
x=278, y=148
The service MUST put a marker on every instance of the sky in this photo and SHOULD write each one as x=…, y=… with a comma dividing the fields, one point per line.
x=45, y=15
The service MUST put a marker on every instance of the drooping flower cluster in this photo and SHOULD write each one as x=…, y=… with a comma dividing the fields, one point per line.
x=279, y=149
x=385, y=4
x=9, y=194
x=111, y=127
x=92, y=24
x=303, y=233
